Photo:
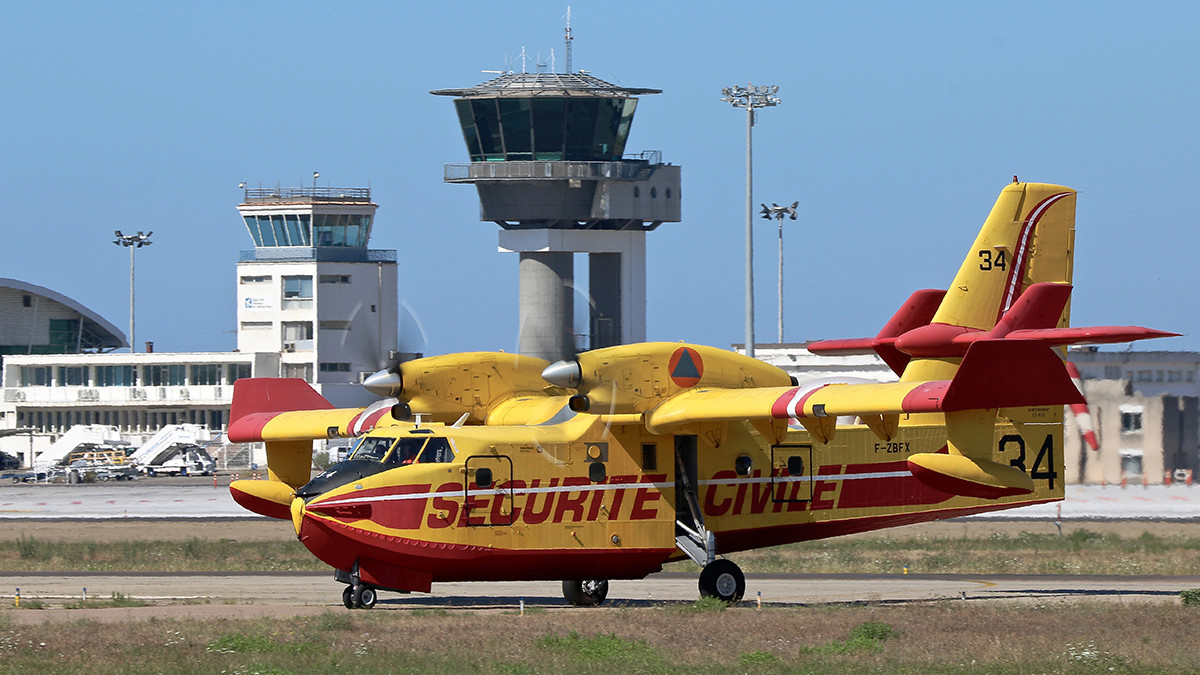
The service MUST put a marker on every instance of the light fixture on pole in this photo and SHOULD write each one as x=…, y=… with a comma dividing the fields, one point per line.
x=132, y=241
x=750, y=97
x=778, y=212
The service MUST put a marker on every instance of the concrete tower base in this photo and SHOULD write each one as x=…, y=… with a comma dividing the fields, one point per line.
x=547, y=305
x=616, y=285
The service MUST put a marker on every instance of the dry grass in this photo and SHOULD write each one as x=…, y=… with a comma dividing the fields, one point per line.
x=942, y=637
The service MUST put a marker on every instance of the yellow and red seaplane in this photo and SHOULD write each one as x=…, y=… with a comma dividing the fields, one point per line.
x=495, y=466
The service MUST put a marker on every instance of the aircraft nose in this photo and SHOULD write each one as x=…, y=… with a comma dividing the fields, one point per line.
x=564, y=374
x=384, y=383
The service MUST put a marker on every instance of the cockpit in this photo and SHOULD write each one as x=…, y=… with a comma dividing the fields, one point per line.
x=403, y=451
x=375, y=454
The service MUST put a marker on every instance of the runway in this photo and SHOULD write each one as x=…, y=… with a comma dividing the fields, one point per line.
x=198, y=498
x=200, y=595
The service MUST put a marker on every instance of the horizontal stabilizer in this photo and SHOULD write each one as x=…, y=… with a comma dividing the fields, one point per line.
x=1007, y=374
x=917, y=311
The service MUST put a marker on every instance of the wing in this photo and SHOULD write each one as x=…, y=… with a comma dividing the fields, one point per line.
x=993, y=374
x=288, y=409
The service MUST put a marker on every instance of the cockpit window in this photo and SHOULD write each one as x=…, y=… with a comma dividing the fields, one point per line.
x=406, y=451
x=437, y=450
x=372, y=448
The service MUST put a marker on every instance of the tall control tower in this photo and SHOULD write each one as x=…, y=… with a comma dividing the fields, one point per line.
x=548, y=159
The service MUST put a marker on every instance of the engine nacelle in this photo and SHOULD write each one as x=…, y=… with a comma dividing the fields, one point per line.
x=446, y=387
x=635, y=378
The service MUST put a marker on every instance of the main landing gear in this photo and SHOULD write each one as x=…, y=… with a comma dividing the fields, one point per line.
x=722, y=579
x=585, y=593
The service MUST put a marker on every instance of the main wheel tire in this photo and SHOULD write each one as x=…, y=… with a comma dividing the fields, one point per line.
x=348, y=597
x=364, y=596
x=724, y=580
x=585, y=592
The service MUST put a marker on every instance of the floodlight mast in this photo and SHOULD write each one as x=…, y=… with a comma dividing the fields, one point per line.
x=778, y=212
x=750, y=97
x=132, y=242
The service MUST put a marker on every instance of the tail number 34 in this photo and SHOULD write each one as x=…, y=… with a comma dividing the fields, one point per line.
x=1043, y=466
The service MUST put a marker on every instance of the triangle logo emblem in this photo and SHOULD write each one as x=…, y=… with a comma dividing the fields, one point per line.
x=686, y=367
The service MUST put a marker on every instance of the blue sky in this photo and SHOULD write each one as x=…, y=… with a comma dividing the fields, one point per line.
x=899, y=125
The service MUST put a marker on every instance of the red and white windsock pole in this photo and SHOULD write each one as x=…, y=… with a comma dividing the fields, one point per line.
x=1080, y=410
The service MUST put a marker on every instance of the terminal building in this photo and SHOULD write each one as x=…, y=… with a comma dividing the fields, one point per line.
x=313, y=301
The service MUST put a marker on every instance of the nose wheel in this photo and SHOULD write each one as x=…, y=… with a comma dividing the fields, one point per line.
x=724, y=580
x=359, y=596
x=586, y=592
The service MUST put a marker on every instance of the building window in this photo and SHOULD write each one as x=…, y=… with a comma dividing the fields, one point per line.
x=295, y=333
x=334, y=279
x=260, y=279
x=303, y=371
x=35, y=376
x=334, y=367
x=1174, y=376
x=237, y=371
x=206, y=373
x=1131, y=421
x=297, y=292
x=1112, y=372
x=1131, y=462
x=116, y=376
x=1145, y=376
x=164, y=375
x=335, y=325
x=256, y=325
x=1191, y=376
x=72, y=376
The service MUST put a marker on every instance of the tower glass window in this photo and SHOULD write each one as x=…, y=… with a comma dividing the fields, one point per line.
x=584, y=129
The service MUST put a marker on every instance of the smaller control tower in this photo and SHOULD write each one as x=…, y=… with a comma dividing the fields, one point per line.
x=548, y=160
x=312, y=292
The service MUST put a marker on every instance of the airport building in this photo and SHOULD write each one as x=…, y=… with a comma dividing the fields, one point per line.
x=1145, y=410
x=313, y=301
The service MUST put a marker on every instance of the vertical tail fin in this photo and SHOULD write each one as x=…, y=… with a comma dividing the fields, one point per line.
x=1027, y=238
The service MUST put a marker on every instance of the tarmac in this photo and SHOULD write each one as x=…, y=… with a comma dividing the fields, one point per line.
x=172, y=497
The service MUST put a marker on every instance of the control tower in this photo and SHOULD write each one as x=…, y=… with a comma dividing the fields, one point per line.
x=548, y=160
x=312, y=292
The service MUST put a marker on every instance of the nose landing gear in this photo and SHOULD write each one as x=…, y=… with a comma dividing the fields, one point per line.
x=360, y=596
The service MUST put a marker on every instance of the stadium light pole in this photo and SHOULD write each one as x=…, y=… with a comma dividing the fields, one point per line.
x=778, y=212
x=750, y=98
x=132, y=242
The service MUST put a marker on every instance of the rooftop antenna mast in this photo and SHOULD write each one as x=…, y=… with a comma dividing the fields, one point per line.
x=568, y=38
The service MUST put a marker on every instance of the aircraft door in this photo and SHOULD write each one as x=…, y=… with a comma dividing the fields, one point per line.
x=687, y=503
x=791, y=473
x=488, y=491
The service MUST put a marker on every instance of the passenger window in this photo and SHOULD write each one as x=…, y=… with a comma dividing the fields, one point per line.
x=406, y=451
x=372, y=448
x=437, y=451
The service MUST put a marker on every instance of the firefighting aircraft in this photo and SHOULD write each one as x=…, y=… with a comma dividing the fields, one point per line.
x=494, y=466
